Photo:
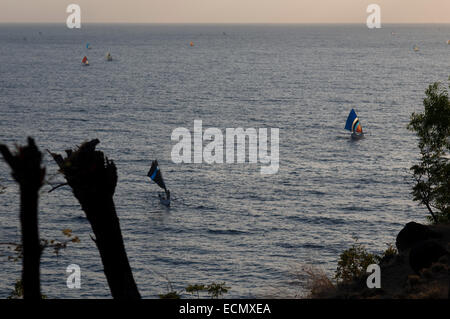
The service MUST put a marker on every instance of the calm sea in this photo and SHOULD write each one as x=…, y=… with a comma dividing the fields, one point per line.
x=228, y=223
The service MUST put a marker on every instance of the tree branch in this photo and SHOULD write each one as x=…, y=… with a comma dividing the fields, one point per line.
x=93, y=179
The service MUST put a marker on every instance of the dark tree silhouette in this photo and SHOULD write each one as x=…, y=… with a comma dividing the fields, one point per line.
x=27, y=171
x=432, y=172
x=93, y=179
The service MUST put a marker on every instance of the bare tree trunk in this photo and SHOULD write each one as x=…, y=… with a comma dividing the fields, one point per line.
x=431, y=212
x=27, y=171
x=93, y=180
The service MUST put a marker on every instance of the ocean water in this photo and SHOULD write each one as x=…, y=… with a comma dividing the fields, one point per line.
x=228, y=223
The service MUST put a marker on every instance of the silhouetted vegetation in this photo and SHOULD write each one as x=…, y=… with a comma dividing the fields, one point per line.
x=353, y=263
x=17, y=293
x=349, y=276
x=400, y=278
x=214, y=290
x=28, y=173
x=170, y=295
x=93, y=179
x=17, y=254
x=318, y=284
x=432, y=173
x=56, y=245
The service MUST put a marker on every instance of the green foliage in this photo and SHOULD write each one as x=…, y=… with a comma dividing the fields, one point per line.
x=17, y=251
x=58, y=245
x=390, y=252
x=353, y=263
x=17, y=254
x=192, y=289
x=2, y=188
x=170, y=295
x=432, y=173
x=215, y=290
x=17, y=293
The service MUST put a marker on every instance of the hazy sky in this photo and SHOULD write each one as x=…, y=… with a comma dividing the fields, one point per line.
x=226, y=11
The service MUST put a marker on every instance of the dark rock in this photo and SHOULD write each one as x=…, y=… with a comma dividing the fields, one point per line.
x=423, y=254
x=412, y=234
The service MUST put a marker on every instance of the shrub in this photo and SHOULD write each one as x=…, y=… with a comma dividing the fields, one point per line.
x=216, y=290
x=353, y=263
x=318, y=284
x=389, y=253
x=170, y=295
x=195, y=289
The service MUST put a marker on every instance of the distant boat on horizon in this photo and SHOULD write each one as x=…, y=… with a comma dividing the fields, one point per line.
x=85, y=61
x=354, y=126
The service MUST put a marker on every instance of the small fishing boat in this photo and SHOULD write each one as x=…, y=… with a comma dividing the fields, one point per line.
x=108, y=57
x=85, y=61
x=354, y=126
x=164, y=198
x=155, y=175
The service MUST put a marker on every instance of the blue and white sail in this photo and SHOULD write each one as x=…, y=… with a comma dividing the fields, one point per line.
x=155, y=175
x=353, y=123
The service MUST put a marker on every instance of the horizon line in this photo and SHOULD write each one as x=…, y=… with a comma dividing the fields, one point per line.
x=221, y=23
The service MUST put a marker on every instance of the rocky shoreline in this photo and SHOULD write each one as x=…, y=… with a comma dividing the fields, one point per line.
x=418, y=270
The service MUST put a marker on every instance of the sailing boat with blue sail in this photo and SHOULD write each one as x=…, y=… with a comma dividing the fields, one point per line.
x=155, y=175
x=354, y=125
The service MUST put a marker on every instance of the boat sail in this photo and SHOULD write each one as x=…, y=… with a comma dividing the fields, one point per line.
x=354, y=125
x=85, y=61
x=155, y=175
